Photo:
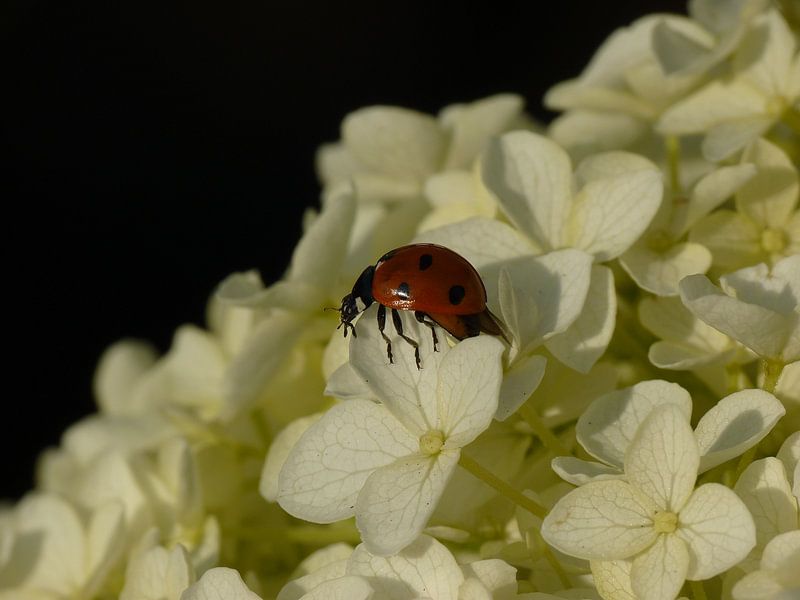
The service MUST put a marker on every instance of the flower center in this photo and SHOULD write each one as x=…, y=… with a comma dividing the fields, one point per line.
x=665, y=522
x=431, y=442
x=773, y=240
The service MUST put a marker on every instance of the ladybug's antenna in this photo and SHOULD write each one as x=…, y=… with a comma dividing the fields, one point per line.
x=332, y=308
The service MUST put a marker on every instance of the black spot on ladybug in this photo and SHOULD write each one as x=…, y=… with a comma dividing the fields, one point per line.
x=403, y=290
x=456, y=294
x=425, y=261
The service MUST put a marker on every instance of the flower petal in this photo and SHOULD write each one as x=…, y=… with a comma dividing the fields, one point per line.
x=733, y=240
x=399, y=142
x=607, y=428
x=531, y=177
x=348, y=587
x=726, y=138
x=610, y=213
x=580, y=472
x=220, y=583
x=328, y=466
x=468, y=388
x=715, y=103
x=661, y=272
x=585, y=341
x=397, y=500
x=424, y=569
x=765, y=490
x=519, y=382
x=770, y=197
x=613, y=578
x=717, y=528
x=602, y=520
x=766, y=332
x=663, y=457
x=734, y=424
x=658, y=573
x=408, y=392
x=279, y=451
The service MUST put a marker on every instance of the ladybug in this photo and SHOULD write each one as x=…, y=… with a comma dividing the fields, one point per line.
x=439, y=285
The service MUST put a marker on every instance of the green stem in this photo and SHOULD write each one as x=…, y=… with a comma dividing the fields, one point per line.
x=501, y=486
x=697, y=590
x=553, y=562
x=673, y=144
x=771, y=369
x=547, y=437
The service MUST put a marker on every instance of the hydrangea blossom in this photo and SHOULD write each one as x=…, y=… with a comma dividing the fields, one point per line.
x=636, y=438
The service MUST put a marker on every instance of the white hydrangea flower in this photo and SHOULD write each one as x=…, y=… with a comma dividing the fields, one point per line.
x=617, y=196
x=756, y=306
x=291, y=310
x=778, y=578
x=72, y=556
x=734, y=112
x=687, y=343
x=605, y=430
x=765, y=227
x=766, y=491
x=424, y=569
x=220, y=583
x=669, y=530
x=661, y=257
x=624, y=88
x=155, y=573
x=395, y=459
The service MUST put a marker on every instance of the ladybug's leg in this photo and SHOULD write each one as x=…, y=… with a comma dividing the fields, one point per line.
x=381, y=326
x=420, y=316
x=398, y=326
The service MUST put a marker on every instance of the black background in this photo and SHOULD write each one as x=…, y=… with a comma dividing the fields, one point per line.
x=153, y=149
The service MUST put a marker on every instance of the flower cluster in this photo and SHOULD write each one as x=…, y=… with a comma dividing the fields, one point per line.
x=634, y=437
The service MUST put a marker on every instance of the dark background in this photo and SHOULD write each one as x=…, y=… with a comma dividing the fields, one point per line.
x=153, y=149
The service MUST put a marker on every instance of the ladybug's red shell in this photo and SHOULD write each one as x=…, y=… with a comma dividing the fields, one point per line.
x=428, y=278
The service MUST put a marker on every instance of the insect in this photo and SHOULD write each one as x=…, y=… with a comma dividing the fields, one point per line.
x=439, y=285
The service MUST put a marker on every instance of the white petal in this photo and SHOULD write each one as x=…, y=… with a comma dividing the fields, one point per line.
x=789, y=454
x=662, y=458
x=344, y=588
x=613, y=578
x=658, y=573
x=157, y=574
x=317, y=258
x=220, y=583
x=468, y=389
x=519, y=382
x=531, y=178
x=765, y=490
x=764, y=331
x=345, y=384
x=483, y=242
x=733, y=240
x=396, y=141
x=765, y=54
x=734, y=424
x=711, y=105
x=313, y=578
x=397, y=500
x=279, y=451
x=607, y=428
x=726, y=138
x=265, y=351
x=425, y=569
x=661, y=272
x=717, y=528
x=770, y=197
x=602, y=520
x=328, y=466
x=580, y=472
x=585, y=341
x=611, y=213
x=708, y=193
x=497, y=576
x=120, y=366
x=471, y=125
x=407, y=391
x=782, y=551
x=585, y=132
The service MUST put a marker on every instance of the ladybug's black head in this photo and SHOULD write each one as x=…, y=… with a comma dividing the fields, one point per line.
x=357, y=300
